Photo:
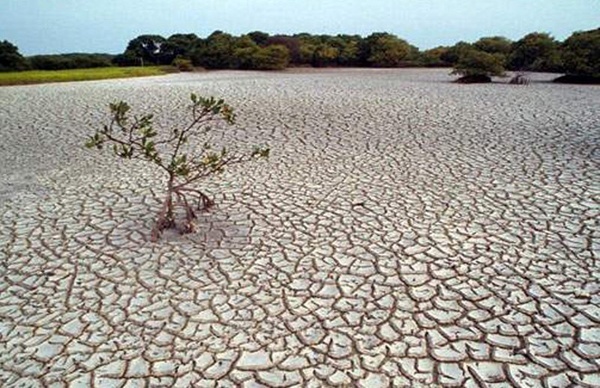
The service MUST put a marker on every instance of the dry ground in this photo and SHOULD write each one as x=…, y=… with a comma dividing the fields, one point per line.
x=405, y=231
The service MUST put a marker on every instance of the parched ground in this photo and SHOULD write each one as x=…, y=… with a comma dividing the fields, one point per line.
x=406, y=231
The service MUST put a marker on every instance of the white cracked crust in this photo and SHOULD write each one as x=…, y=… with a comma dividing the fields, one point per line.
x=405, y=231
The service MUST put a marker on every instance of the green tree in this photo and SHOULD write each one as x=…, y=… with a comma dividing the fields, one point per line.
x=217, y=51
x=10, y=58
x=274, y=57
x=384, y=50
x=148, y=50
x=494, y=45
x=324, y=55
x=244, y=52
x=535, y=52
x=453, y=53
x=178, y=45
x=183, y=153
x=348, y=47
x=478, y=66
x=433, y=57
x=251, y=56
x=259, y=37
x=581, y=54
x=292, y=43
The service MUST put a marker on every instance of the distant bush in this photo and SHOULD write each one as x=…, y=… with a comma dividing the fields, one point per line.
x=452, y=54
x=274, y=57
x=384, y=50
x=484, y=58
x=70, y=61
x=476, y=66
x=433, y=57
x=535, y=52
x=581, y=56
x=127, y=59
x=183, y=64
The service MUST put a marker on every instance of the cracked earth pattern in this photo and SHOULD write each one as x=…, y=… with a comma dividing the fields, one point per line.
x=406, y=231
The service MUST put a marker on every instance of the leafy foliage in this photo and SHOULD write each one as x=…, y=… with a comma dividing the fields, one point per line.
x=182, y=153
x=258, y=50
x=452, y=54
x=148, y=50
x=434, y=57
x=494, y=45
x=535, y=52
x=477, y=64
x=218, y=51
x=183, y=64
x=384, y=50
x=10, y=58
x=70, y=61
x=581, y=54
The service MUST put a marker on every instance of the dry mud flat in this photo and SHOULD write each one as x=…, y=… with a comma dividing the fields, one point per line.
x=406, y=231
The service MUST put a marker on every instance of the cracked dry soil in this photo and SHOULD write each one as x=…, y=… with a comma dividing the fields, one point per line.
x=406, y=231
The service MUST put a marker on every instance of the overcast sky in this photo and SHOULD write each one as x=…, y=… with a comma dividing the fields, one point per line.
x=61, y=26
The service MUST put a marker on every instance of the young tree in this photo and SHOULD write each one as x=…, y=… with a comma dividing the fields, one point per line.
x=182, y=153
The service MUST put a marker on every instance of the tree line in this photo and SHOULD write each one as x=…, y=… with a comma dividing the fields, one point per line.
x=578, y=55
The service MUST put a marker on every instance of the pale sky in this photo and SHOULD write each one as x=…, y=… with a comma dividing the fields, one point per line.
x=63, y=26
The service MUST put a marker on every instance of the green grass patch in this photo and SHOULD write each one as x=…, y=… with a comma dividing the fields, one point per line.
x=45, y=76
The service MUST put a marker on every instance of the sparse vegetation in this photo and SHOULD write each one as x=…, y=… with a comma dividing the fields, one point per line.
x=183, y=153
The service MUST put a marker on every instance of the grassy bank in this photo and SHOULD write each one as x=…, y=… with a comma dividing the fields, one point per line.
x=45, y=76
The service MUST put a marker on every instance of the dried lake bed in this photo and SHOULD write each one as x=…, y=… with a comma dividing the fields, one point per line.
x=405, y=231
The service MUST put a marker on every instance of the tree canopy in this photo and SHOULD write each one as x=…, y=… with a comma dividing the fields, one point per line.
x=10, y=58
x=537, y=51
x=577, y=56
x=581, y=54
x=479, y=66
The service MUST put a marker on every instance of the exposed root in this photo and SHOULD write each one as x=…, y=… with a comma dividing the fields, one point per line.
x=166, y=215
